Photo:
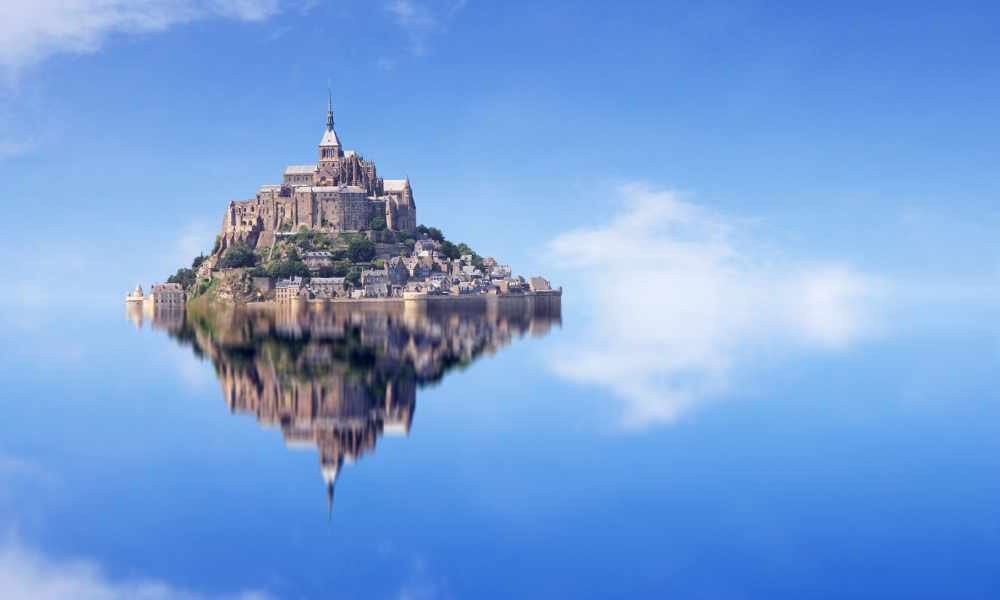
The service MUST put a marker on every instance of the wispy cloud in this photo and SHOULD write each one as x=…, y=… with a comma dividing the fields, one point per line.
x=28, y=574
x=419, y=20
x=32, y=30
x=681, y=297
x=13, y=466
x=12, y=148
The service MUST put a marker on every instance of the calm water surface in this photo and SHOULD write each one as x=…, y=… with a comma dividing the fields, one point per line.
x=437, y=454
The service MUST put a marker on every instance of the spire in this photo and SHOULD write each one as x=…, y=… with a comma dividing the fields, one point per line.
x=330, y=138
x=329, y=110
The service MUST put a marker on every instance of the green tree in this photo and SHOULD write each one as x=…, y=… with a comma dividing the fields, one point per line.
x=337, y=270
x=435, y=234
x=283, y=269
x=377, y=223
x=450, y=250
x=354, y=277
x=238, y=256
x=197, y=261
x=185, y=277
x=361, y=250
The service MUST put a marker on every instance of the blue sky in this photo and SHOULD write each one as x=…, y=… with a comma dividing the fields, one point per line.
x=723, y=188
x=839, y=131
x=805, y=177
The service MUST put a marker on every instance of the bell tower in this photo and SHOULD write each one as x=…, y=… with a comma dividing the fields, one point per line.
x=329, y=147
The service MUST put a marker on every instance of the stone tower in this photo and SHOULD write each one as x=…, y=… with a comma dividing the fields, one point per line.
x=329, y=147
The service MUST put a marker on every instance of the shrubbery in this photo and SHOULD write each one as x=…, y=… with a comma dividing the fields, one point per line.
x=432, y=232
x=450, y=250
x=337, y=270
x=284, y=269
x=354, y=277
x=361, y=250
x=238, y=256
x=185, y=277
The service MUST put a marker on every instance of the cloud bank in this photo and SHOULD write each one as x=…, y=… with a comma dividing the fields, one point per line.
x=32, y=30
x=681, y=298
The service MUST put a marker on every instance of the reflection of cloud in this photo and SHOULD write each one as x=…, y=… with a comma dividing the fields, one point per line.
x=31, y=31
x=422, y=585
x=194, y=373
x=679, y=301
x=26, y=574
x=12, y=466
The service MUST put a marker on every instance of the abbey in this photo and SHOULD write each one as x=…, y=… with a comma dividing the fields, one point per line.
x=343, y=192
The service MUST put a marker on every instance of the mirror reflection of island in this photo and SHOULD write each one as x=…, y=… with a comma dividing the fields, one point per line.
x=337, y=378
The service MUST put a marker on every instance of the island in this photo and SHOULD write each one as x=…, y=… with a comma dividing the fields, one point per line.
x=336, y=231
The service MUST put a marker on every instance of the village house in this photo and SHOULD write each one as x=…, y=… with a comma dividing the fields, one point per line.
x=290, y=289
x=377, y=290
x=318, y=259
x=397, y=270
x=426, y=245
x=539, y=284
x=373, y=277
x=499, y=271
x=166, y=294
x=328, y=287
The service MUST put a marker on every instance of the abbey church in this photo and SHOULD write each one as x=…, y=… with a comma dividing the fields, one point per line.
x=343, y=192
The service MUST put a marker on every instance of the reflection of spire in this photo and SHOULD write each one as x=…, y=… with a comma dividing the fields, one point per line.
x=329, y=501
x=300, y=382
x=330, y=474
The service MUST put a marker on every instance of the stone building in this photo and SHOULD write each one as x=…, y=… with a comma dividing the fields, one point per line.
x=328, y=287
x=166, y=294
x=342, y=192
x=539, y=284
x=135, y=295
x=317, y=259
x=290, y=289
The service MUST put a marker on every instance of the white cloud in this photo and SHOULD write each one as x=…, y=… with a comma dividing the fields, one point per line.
x=31, y=30
x=16, y=467
x=27, y=574
x=680, y=302
x=11, y=148
x=419, y=19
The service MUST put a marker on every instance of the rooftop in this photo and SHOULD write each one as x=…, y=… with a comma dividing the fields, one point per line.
x=394, y=185
x=300, y=169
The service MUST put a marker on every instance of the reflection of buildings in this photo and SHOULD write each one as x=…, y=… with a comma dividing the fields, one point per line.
x=338, y=378
x=168, y=318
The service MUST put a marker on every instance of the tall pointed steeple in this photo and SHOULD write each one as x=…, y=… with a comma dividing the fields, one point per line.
x=329, y=146
x=329, y=110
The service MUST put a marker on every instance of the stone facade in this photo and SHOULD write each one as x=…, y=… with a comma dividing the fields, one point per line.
x=343, y=192
x=166, y=294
